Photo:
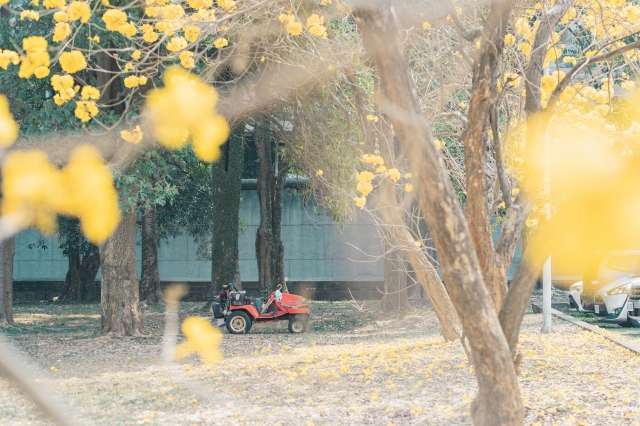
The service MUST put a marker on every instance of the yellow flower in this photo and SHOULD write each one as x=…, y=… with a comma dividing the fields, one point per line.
x=510, y=39
x=590, y=53
x=628, y=85
x=515, y=191
x=373, y=118
x=133, y=136
x=202, y=339
x=86, y=110
x=408, y=187
x=365, y=176
x=41, y=72
x=150, y=37
x=8, y=128
x=61, y=82
x=360, y=202
x=200, y=4
x=394, y=175
x=8, y=57
x=114, y=19
x=136, y=54
x=569, y=60
x=89, y=194
x=292, y=26
x=186, y=59
x=90, y=92
x=177, y=43
x=54, y=4
x=408, y=176
x=53, y=368
x=185, y=106
x=146, y=28
x=417, y=244
x=79, y=10
x=315, y=25
x=191, y=32
x=525, y=48
x=228, y=5
x=221, y=42
x=319, y=173
x=127, y=29
x=128, y=67
x=381, y=169
x=426, y=24
x=36, y=50
x=29, y=14
x=135, y=81
x=73, y=61
x=374, y=160
x=61, y=31
x=61, y=16
x=364, y=187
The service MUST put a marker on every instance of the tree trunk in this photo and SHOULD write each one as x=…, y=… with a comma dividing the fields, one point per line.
x=7, y=251
x=264, y=233
x=80, y=280
x=498, y=401
x=276, y=223
x=395, y=282
x=226, y=176
x=108, y=82
x=150, y=288
x=120, y=289
x=270, y=189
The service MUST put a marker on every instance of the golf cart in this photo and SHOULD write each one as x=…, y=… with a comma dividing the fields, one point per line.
x=239, y=311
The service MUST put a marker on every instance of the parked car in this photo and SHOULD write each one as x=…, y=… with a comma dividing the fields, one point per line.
x=602, y=269
x=613, y=303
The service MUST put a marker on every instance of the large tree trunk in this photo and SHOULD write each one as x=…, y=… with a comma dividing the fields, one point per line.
x=120, y=290
x=395, y=282
x=7, y=251
x=150, y=288
x=226, y=176
x=498, y=401
x=270, y=189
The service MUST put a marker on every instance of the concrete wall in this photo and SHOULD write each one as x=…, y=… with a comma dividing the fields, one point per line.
x=314, y=249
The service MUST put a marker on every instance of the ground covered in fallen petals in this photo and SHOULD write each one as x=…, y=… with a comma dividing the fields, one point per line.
x=352, y=367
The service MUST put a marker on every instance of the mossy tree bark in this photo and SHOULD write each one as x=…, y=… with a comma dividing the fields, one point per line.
x=270, y=189
x=226, y=175
x=150, y=288
x=7, y=251
x=120, y=289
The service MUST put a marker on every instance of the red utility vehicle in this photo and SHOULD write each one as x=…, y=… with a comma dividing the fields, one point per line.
x=240, y=311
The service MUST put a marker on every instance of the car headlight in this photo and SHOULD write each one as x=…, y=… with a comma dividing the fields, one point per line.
x=623, y=289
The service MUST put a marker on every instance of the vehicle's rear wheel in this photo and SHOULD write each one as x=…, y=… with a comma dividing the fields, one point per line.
x=238, y=322
x=297, y=325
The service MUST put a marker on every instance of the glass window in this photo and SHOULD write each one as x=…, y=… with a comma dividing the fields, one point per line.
x=627, y=264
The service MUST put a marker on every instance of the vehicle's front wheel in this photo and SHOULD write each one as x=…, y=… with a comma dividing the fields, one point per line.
x=238, y=322
x=297, y=325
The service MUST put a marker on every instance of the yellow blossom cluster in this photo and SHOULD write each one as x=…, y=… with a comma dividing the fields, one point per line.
x=116, y=20
x=8, y=57
x=34, y=191
x=135, y=81
x=86, y=110
x=221, y=42
x=186, y=59
x=61, y=31
x=191, y=32
x=8, y=128
x=315, y=25
x=89, y=93
x=364, y=179
x=63, y=84
x=149, y=35
x=176, y=44
x=185, y=109
x=291, y=24
x=36, y=55
x=73, y=61
x=132, y=136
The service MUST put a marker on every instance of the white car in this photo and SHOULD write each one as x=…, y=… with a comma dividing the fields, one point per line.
x=575, y=291
x=613, y=303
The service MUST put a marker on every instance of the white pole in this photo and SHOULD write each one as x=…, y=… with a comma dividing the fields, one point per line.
x=546, y=297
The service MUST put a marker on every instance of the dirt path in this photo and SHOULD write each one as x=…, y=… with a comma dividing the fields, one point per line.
x=352, y=367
